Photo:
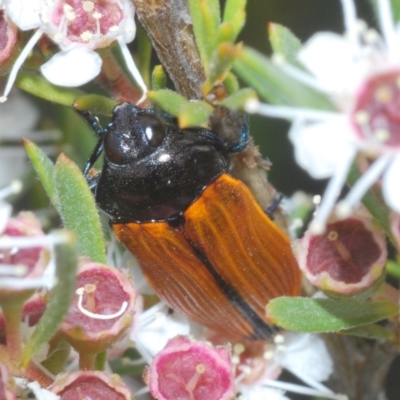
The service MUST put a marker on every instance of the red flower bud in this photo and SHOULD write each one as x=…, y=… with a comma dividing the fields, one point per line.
x=348, y=258
x=101, y=311
x=189, y=370
x=90, y=385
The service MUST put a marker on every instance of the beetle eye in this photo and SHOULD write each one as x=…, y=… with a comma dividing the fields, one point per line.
x=112, y=150
x=154, y=128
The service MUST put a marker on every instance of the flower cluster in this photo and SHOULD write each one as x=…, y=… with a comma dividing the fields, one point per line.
x=79, y=28
x=360, y=73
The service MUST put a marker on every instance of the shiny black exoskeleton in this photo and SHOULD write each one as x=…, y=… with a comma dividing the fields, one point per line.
x=152, y=170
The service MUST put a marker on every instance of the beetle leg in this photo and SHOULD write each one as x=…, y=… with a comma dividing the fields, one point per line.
x=273, y=206
x=208, y=138
x=244, y=138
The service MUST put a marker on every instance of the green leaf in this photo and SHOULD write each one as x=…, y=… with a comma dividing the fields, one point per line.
x=144, y=56
x=231, y=83
x=78, y=209
x=395, y=4
x=284, y=42
x=60, y=297
x=35, y=84
x=99, y=105
x=235, y=16
x=168, y=100
x=44, y=168
x=238, y=100
x=372, y=331
x=273, y=85
x=395, y=10
x=373, y=201
x=393, y=269
x=194, y=114
x=158, y=78
x=220, y=66
x=302, y=314
x=206, y=18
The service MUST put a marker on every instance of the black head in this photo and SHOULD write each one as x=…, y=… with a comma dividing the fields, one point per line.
x=153, y=170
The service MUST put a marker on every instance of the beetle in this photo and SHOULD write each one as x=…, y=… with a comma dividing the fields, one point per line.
x=204, y=244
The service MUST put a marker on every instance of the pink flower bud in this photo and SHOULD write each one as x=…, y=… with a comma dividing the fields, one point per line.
x=25, y=263
x=6, y=384
x=8, y=41
x=394, y=221
x=90, y=385
x=189, y=370
x=348, y=258
x=102, y=309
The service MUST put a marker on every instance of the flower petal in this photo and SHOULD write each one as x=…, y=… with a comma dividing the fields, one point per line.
x=303, y=352
x=390, y=185
x=321, y=147
x=72, y=68
x=128, y=26
x=334, y=62
x=25, y=14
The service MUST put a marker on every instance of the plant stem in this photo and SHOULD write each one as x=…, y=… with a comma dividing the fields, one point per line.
x=87, y=361
x=12, y=311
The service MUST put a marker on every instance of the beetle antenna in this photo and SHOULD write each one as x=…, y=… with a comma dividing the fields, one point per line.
x=274, y=205
x=93, y=122
x=93, y=157
x=99, y=132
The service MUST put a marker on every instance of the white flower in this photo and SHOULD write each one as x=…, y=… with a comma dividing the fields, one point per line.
x=41, y=393
x=156, y=326
x=79, y=28
x=19, y=276
x=360, y=73
x=298, y=353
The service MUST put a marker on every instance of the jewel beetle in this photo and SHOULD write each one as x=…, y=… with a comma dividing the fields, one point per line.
x=203, y=242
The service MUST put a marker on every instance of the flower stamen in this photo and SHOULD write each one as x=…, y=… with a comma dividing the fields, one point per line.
x=14, y=188
x=81, y=291
x=345, y=206
x=18, y=63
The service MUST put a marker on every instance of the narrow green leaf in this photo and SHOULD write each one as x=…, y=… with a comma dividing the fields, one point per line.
x=284, y=42
x=60, y=297
x=395, y=4
x=194, y=114
x=44, y=168
x=302, y=314
x=158, y=78
x=235, y=15
x=231, y=83
x=206, y=18
x=35, y=84
x=99, y=105
x=78, y=209
x=226, y=34
x=238, y=100
x=220, y=66
x=144, y=56
x=373, y=201
x=395, y=10
x=168, y=100
x=372, y=331
x=273, y=85
x=393, y=269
